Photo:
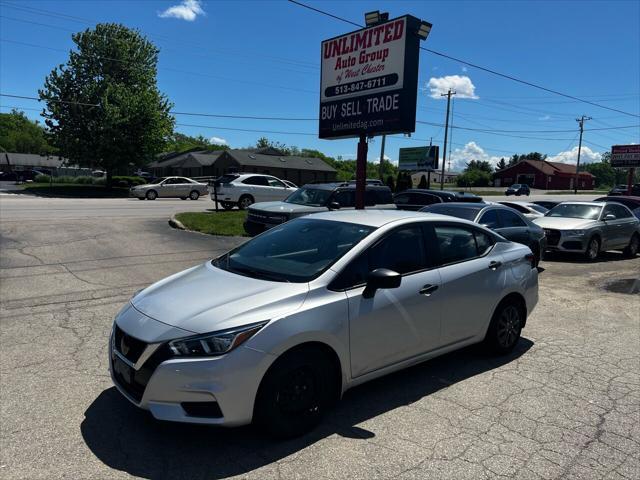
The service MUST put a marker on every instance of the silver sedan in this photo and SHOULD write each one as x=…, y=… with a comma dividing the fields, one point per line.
x=176, y=187
x=591, y=228
x=279, y=328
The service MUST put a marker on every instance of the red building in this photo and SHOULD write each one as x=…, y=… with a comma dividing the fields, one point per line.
x=544, y=175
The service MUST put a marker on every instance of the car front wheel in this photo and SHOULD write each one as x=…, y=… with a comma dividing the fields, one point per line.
x=634, y=245
x=151, y=195
x=245, y=202
x=294, y=394
x=593, y=248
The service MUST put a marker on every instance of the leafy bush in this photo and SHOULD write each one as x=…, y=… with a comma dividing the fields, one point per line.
x=42, y=179
x=474, y=178
x=128, y=181
x=99, y=181
x=84, y=180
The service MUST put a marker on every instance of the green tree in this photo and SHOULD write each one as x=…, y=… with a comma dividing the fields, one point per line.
x=474, y=178
x=482, y=165
x=179, y=142
x=103, y=107
x=20, y=135
x=502, y=164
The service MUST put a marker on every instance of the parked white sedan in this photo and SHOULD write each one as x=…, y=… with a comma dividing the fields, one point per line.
x=244, y=189
x=279, y=328
x=178, y=187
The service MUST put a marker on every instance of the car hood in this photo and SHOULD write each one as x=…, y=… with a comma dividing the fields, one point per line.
x=284, y=207
x=564, y=223
x=205, y=299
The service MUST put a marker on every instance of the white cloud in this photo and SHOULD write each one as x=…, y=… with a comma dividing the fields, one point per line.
x=471, y=151
x=218, y=140
x=571, y=156
x=544, y=118
x=464, y=69
x=187, y=10
x=462, y=85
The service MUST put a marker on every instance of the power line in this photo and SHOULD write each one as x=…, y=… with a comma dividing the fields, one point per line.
x=479, y=67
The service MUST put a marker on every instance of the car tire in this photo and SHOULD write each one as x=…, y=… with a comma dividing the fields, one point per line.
x=194, y=195
x=226, y=205
x=505, y=327
x=593, y=248
x=151, y=195
x=537, y=254
x=631, y=250
x=245, y=201
x=183, y=198
x=294, y=394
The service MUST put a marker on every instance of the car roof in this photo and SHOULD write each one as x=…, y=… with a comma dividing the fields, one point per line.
x=617, y=199
x=343, y=185
x=377, y=218
x=593, y=204
x=516, y=202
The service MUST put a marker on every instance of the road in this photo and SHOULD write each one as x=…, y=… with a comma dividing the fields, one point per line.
x=565, y=404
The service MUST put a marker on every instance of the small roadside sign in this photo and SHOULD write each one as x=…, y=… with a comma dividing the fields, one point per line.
x=418, y=159
x=625, y=156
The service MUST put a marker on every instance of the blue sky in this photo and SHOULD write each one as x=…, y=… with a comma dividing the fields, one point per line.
x=262, y=58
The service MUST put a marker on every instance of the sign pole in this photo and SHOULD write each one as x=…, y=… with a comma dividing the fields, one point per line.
x=361, y=171
x=630, y=180
x=384, y=138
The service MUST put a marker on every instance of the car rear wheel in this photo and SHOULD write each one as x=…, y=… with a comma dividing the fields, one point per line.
x=294, y=394
x=634, y=245
x=151, y=195
x=194, y=195
x=245, y=202
x=593, y=248
x=505, y=327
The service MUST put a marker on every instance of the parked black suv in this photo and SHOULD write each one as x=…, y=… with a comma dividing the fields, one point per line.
x=416, y=198
x=313, y=198
x=518, y=189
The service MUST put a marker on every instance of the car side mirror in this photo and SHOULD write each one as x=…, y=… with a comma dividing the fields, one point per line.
x=381, y=278
x=609, y=216
x=334, y=206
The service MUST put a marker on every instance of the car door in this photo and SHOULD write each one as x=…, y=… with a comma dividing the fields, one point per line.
x=395, y=324
x=512, y=227
x=472, y=277
x=183, y=187
x=166, y=188
x=611, y=229
x=403, y=201
x=345, y=198
x=625, y=224
x=255, y=186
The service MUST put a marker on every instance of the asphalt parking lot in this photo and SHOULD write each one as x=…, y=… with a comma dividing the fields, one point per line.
x=565, y=404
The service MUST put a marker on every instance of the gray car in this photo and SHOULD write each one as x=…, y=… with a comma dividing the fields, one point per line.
x=590, y=228
x=503, y=220
x=276, y=330
x=314, y=198
x=176, y=187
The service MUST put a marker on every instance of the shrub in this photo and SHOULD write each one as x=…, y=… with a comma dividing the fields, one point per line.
x=64, y=179
x=127, y=181
x=42, y=179
x=474, y=178
x=84, y=180
x=99, y=181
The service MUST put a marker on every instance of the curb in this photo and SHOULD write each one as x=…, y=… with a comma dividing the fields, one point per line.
x=175, y=223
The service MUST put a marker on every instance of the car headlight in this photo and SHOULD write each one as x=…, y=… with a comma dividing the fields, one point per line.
x=216, y=343
x=574, y=232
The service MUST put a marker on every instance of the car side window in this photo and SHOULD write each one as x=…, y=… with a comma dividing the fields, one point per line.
x=424, y=199
x=256, y=181
x=170, y=181
x=402, y=251
x=489, y=219
x=274, y=182
x=510, y=219
x=620, y=212
x=402, y=199
x=346, y=198
x=608, y=210
x=457, y=244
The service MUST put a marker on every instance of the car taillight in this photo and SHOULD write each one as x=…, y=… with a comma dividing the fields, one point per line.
x=531, y=258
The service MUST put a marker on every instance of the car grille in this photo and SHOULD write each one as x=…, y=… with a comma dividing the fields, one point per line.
x=131, y=348
x=266, y=217
x=553, y=237
x=134, y=382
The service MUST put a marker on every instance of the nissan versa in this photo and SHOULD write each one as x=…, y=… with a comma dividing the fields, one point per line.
x=279, y=328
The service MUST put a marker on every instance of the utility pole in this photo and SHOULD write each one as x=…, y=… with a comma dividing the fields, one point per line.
x=384, y=138
x=580, y=121
x=429, y=171
x=446, y=131
x=453, y=107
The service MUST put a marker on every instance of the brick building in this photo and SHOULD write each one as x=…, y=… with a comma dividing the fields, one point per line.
x=544, y=175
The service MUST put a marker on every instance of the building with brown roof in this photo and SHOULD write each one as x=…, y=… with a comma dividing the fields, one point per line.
x=544, y=175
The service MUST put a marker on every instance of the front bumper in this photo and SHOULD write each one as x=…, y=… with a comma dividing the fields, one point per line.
x=560, y=241
x=226, y=384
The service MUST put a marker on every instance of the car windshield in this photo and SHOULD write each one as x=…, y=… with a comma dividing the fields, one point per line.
x=517, y=185
x=460, y=212
x=297, y=251
x=539, y=208
x=573, y=210
x=314, y=197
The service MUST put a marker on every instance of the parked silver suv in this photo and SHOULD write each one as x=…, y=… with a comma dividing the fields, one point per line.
x=314, y=198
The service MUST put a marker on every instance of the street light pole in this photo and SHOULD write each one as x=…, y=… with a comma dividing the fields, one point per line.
x=580, y=121
x=446, y=131
x=384, y=138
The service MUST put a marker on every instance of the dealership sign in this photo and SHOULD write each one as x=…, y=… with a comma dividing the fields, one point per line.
x=625, y=156
x=418, y=159
x=369, y=80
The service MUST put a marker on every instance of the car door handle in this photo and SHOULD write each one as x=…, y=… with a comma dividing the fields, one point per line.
x=495, y=265
x=428, y=289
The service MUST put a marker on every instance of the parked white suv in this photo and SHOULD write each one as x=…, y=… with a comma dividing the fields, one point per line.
x=242, y=190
